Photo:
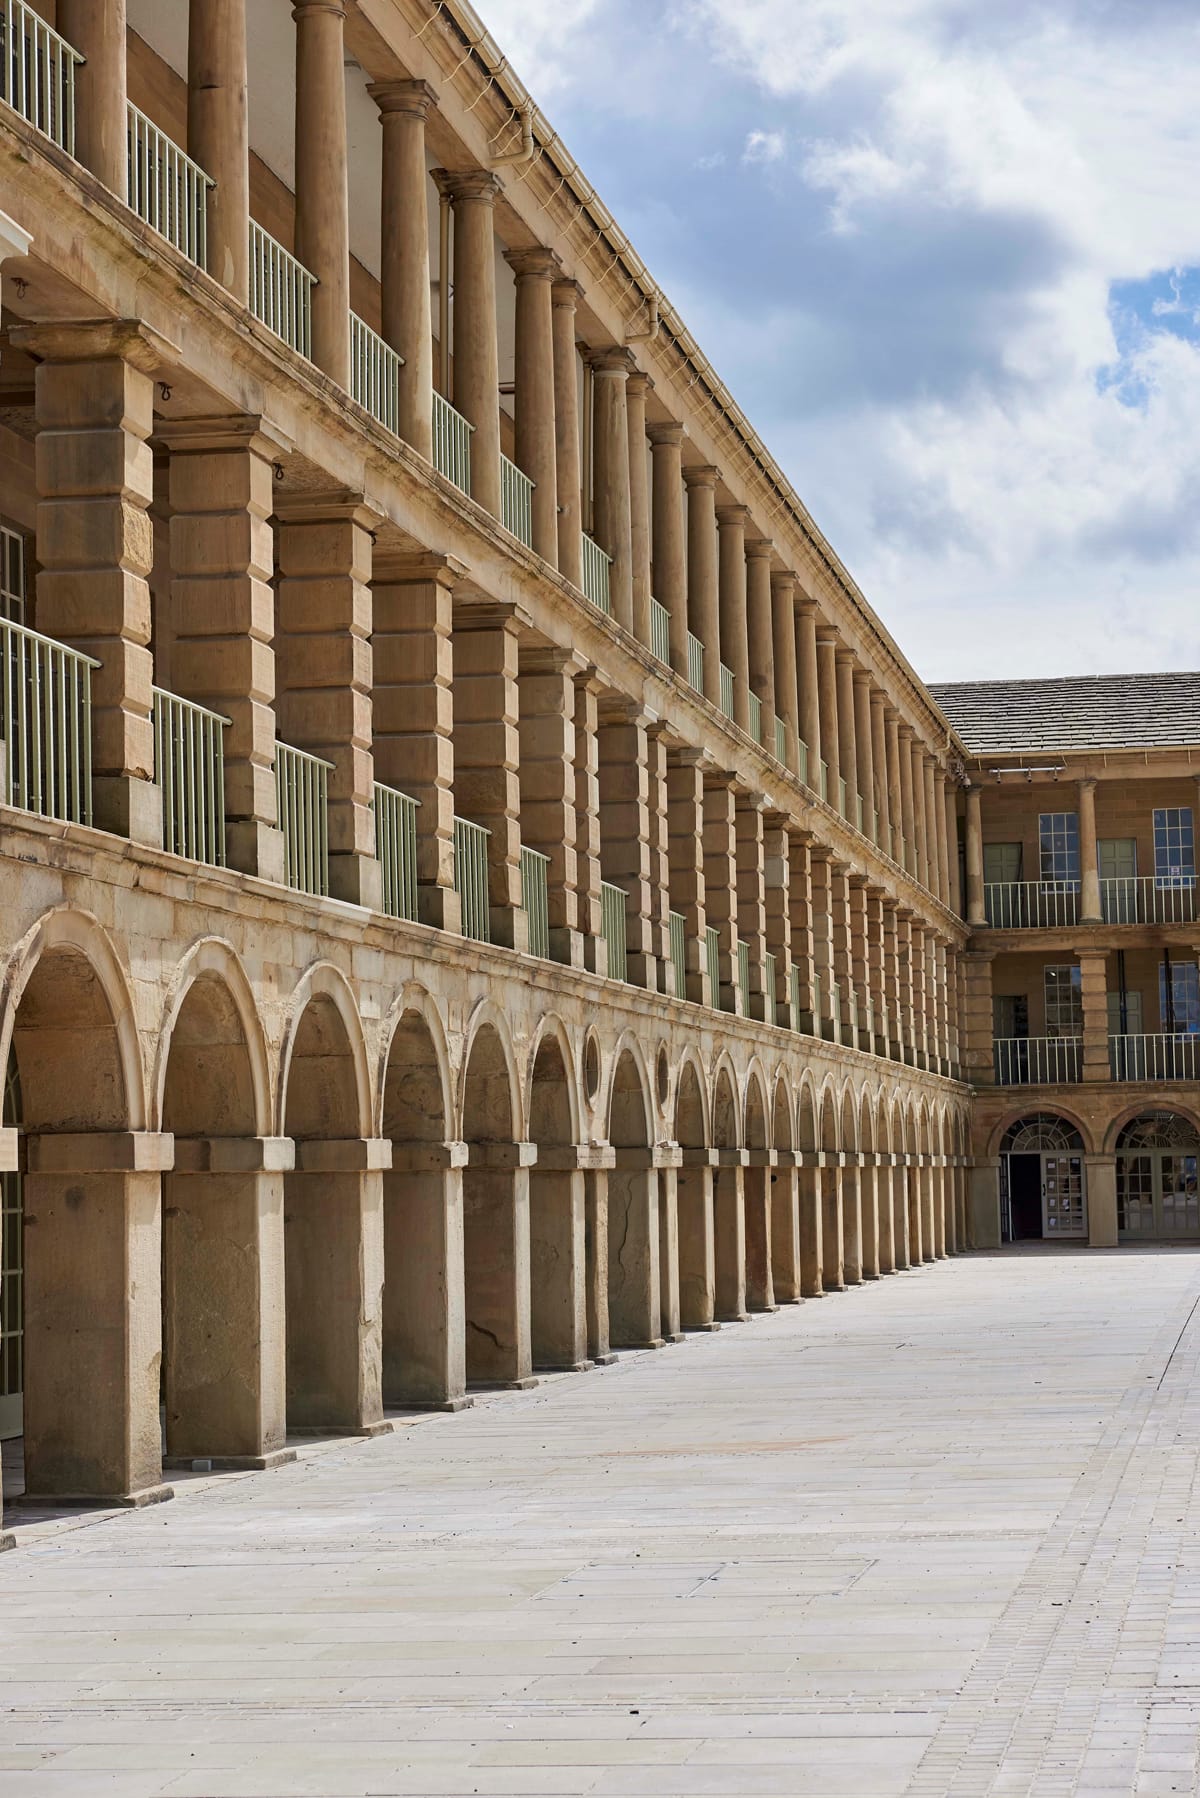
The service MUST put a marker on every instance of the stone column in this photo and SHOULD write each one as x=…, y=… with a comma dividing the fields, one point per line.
x=953, y=874
x=218, y=133
x=587, y=822
x=891, y=979
x=879, y=769
x=760, y=633
x=729, y=1229
x=860, y=967
x=93, y=1249
x=1089, y=868
x=786, y=1279
x=224, y=1390
x=920, y=821
x=800, y=902
x=487, y=753
x=720, y=884
x=783, y=653
x=95, y=482
x=812, y=1246
x=536, y=444
x=697, y=1254
x=558, y=1260
x=413, y=713
x=1093, y=979
x=568, y=480
x=731, y=524
x=933, y=818
x=941, y=830
x=334, y=1260
x=611, y=370
x=634, y=1277
x=828, y=706
x=824, y=973
x=496, y=1236
x=847, y=1008
x=852, y=1251
x=1100, y=1172
x=908, y=815
x=976, y=914
x=778, y=880
x=424, y=1322
x=895, y=787
x=472, y=194
x=98, y=32
x=668, y=1157
x=833, y=1268
x=323, y=656
x=222, y=614
x=670, y=537
x=625, y=828
x=547, y=785
x=659, y=848
x=751, y=891
x=876, y=968
x=322, y=192
x=595, y=1205
x=760, y=1289
x=702, y=582
x=636, y=388
x=685, y=824
x=404, y=252
x=888, y=1262
x=847, y=736
x=808, y=676
x=864, y=749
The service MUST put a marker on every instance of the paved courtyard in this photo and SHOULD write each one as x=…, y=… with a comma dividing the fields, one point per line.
x=935, y=1536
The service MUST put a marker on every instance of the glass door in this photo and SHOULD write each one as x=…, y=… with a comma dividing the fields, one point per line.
x=12, y=1321
x=1062, y=1196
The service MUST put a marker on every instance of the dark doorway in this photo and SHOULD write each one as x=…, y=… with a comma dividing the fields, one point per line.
x=1025, y=1195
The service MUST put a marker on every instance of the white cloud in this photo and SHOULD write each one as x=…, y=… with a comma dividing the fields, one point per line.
x=763, y=147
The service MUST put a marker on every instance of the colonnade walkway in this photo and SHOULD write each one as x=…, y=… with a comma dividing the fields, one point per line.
x=936, y=1535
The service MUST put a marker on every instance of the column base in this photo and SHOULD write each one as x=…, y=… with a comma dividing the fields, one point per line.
x=129, y=808
x=642, y=970
x=525, y=1385
x=356, y=879
x=6, y=1541
x=607, y=1359
x=567, y=947
x=363, y=1431
x=674, y=1336
x=446, y=1404
x=278, y=1457
x=595, y=955
x=93, y=1501
x=441, y=907
x=255, y=848
x=564, y=1366
x=509, y=926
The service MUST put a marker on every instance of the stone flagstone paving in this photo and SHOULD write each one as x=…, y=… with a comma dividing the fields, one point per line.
x=934, y=1536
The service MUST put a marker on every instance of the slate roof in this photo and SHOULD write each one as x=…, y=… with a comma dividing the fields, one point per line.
x=1090, y=711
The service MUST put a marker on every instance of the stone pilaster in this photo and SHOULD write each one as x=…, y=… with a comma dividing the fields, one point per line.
x=783, y=651
x=800, y=907
x=847, y=737
x=860, y=967
x=976, y=914
x=587, y=820
x=487, y=753
x=703, y=610
x=827, y=697
x=1089, y=869
x=822, y=912
x=685, y=824
x=472, y=194
x=625, y=829
x=1093, y=980
x=843, y=979
x=778, y=877
x=547, y=783
x=636, y=389
x=760, y=633
x=808, y=679
x=731, y=525
x=322, y=191
x=978, y=1051
x=536, y=446
x=720, y=883
x=752, y=908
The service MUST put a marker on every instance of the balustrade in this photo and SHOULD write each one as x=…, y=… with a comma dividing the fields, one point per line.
x=1038, y=1060
x=516, y=502
x=396, y=847
x=46, y=724
x=471, y=878
x=167, y=189
x=375, y=375
x=189, y=766
x=612, y=905
x=535, y=897
x=280, y=291
x=37, y=73
x=451, y=443
x=302, y=795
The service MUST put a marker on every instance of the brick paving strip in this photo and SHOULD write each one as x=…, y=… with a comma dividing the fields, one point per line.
x=933, y=1536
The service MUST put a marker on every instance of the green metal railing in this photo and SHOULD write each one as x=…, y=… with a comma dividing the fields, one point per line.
x=795, y=993
x=46, y=725
x=816, y=999
x=280, y=291
x=302, y=795
x=595, y=576
x=471, y=878
x=375, y=374
x=756, y=717
x=677, y=941
x=859, y=810
x=167, y=189
x=769, y=982
x=13, y=583
x=802, y=759
x=37, y=73
x=451, y=443
x=823, y=781
x=843, y=797
x=712, y=961
x=612, y=909
x=516, y=502
x=535, y=897
x=189, y=767
x=780, y=739
x=727, y=690
x=396, y=847
x=695, y=663
x=743, y=975
x=660, y=632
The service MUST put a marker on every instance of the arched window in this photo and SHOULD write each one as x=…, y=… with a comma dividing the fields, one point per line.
x=1158, y=1130
x=1156, y=1177
x=1042, y=1132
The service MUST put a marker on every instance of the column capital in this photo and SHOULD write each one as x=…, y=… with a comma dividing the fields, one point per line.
x=783, y=580
x=827, y=637
x=551, y=658
x=468, y=184
x=844, y=654
x=1089, y=781
x=638, y=382
x=733, y=515
x=534, y=263
x=759, y=548
x=700, y=474
x=566, y=292
x=411, y=98
x=300, y=8
x=222, y=431
x=96, y=340
x=612, y=359
x=333, y=506
x=862, y=677
x=668, y=435
x=404, y=568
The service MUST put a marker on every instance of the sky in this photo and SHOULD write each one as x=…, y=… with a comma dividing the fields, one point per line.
x=946, y=254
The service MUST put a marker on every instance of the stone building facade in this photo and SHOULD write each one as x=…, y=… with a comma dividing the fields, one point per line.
x=479, y=887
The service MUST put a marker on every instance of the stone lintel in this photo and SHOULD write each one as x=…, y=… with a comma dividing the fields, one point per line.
x=223, y=431
x=480, y=612
x=103, y=1152
x=700, y=1157
x=501, y=1155
x=333, y=505
x=761, y=1157
x=234, y=1154
x=344, y=1155
x=398, y=568
x=427, y=1157
x=666, y=1154
x=732, y=1158
x=97, y=340
x=567, y=1158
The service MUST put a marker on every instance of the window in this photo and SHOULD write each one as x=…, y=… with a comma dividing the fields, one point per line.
x=1125, y=1014
x=12, y=576
x=1064, y=1000
x=1001, y=863
x=1174, y=846
x=1010, y=1016
x=1179, y=997
x=1058, y=837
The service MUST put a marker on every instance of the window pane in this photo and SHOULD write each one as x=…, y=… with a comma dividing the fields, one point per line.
x=1179, y=997
x=1174, y=846
x=1064, y=1000
x=1058, y=837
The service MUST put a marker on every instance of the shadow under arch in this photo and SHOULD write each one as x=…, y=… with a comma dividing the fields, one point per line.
x=694, y=1199
x=729, y=1196
x=558, y=1248
x=756, y=1191
x=495, y=1181
x=634, y=1267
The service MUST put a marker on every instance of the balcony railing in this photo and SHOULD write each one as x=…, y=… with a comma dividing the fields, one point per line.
x=280, y=291
x=375, y=374
x=780, y=739
x=677, y=941
x=596, y=565
x=712, y=961
x=167, y=189
x=612, y=907
x=794, y=986
x=189, y=767
x=516, y=502
x=302, y=794
x=802, y=759
x=823, y=780
x=843, y=798
x=660, y=632
x=1175, y=1057
x=471, y=878
x=743, y=975
x=756, y=717
x=13, y=581
x=46, y=725
x=37, y=73
x=535, y=897
x=859, y=812
x=727, y=690
x=695, y=663
x=1156, y=899
x=396, y=847
x=451, y=443
x=769, y=986
x=1038, y=1060
x=1030, y=904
